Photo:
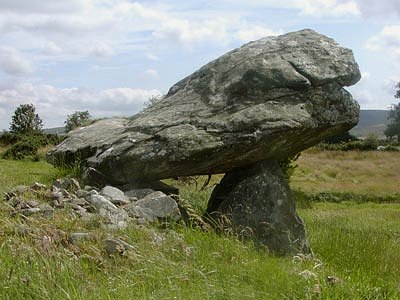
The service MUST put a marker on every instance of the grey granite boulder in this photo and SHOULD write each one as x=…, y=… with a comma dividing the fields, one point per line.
x=116, y=196
x=113, y=217
x=265, y=100
x=100, y=202
x=153, y=207
x=256, y=202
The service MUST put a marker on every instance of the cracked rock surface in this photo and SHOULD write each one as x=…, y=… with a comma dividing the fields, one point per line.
x=265, y=100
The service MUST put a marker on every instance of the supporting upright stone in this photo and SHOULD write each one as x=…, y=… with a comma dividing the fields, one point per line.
x=257, y=203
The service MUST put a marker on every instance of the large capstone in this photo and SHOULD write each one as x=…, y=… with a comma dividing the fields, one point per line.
x=266, y=100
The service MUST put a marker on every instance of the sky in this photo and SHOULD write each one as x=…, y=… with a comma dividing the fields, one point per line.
x=110, y=56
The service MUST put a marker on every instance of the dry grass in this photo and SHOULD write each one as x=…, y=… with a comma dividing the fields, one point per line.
x=358, y=172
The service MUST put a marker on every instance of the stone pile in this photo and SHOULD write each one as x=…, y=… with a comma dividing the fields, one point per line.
x=115, y=207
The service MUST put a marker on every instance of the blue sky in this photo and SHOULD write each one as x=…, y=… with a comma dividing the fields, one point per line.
x=109, y=56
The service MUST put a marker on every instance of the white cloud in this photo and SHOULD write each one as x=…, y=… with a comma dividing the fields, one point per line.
x=54, y=104
x=13, y=63
x=318, y=8
x=381, y=8
x=389, y=85
x=151, y=73
x=47, y=6
x=101, y=28
x=167, y=26
x=372, y=92
x=152, y=57
x=71, y=51
x=327, y=7
x=365, y=76
x=387, y=40
x=100, y=49
x=52, y=49
x=333, y=8
x=250, y=33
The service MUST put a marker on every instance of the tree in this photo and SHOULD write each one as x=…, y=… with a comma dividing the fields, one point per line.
x=397, y=95
x=25, y=120
x=77, y=119
x=393, y=128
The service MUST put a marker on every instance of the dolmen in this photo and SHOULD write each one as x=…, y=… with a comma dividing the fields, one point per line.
x=239, y=115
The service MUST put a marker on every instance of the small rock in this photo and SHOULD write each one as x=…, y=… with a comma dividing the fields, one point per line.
x=84, y=215
x=89, y=188
x=77, y=237
x=98, y=202
x=27, y=211
x=38, y=186
x=114, y=219
x=161, y=206
x=65, y=193
x=79, y=201
x=56, y=194
x=116, y=246
x=81, y=193
x=30, y=204
x=47, y=211
x=67, y=183
x=75, y=206
x=139, y=193
x=141, y=214
x=116, y=196
x=20, y=189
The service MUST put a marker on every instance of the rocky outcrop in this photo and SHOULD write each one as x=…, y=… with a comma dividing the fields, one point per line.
x=268, y=99
x=238, y=115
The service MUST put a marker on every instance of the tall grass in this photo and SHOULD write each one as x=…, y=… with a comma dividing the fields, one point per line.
x=356, y=249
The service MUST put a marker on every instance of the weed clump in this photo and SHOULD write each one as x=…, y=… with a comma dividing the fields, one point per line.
x=26, y=146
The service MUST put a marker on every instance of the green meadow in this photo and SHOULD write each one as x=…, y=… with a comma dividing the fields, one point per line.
x=356, y=244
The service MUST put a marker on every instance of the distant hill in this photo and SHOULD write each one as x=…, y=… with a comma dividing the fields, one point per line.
x=371, y=122
x=55, y=130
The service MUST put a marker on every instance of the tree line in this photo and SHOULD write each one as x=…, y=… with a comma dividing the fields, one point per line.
x=25, y=120
x=26, y=135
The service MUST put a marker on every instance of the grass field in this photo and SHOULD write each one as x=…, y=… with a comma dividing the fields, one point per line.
x=369, y=172
x=356, y=246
